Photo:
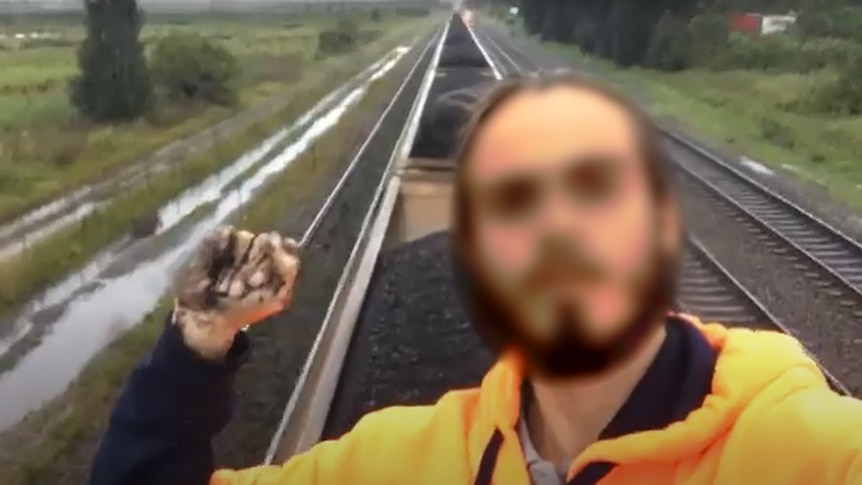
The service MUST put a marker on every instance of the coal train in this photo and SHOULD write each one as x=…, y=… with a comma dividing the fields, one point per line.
x=395, y=332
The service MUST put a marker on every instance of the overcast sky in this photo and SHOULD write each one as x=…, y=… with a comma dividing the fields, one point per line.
x=145, y=2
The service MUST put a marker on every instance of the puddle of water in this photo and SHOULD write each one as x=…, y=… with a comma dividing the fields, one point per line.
x=41, y=213
x=30, y=35
x=20, y=243
x=756, y=166
x=53, y=216
x=94, y=307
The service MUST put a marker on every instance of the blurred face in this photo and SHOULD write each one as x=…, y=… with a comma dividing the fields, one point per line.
x=568, y=235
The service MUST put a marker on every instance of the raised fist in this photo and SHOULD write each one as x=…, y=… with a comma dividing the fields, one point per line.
x=236, y=279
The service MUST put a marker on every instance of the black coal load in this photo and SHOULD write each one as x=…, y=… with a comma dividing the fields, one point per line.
x=458, y=31
x=462, y=74
x=442, y=124
x=461, y=56
x=460, y=49
x=412, y=342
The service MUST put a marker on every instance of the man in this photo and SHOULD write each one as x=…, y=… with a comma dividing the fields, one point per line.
x=567, y=242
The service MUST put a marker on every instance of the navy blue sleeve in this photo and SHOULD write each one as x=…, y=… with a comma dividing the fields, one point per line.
x=162, y=425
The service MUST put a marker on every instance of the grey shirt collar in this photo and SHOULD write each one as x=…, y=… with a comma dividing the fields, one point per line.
x=541, y=472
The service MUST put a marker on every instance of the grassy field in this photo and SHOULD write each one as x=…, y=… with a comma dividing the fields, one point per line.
x=56, y=256
x=46, y=149
x=753, y=113
x=55, y=444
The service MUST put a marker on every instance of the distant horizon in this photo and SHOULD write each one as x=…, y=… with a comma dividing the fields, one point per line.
x=32, y=3
x=36, y=6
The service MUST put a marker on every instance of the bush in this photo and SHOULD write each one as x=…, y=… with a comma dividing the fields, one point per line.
x=715, y=48
x=843, y=95
x=784, y=53
x=187, y=67
x=375, y=15
x=826, y=21
x=338, y=40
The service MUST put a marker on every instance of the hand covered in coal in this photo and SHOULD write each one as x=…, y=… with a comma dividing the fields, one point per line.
x=236, y=279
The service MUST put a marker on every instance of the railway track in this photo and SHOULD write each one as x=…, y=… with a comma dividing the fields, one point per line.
x=785, y=226
x=713, y=294
x=306, y=410
x=708, y=288
x=329, y=232
x=790, y=227
x=837, y=254
x=374, y=350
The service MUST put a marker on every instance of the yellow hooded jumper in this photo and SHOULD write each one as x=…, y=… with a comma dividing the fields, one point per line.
x=769, y=419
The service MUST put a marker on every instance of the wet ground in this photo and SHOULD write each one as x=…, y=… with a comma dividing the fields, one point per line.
x=52, y=339
x=40, y=222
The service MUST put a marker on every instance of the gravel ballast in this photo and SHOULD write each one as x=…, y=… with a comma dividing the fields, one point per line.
x=280, y=345
x=783, y=282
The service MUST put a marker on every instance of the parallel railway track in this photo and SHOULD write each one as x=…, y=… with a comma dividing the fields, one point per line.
x=836, y=254
x=708, y=289
x=713, y=294
x=788, y=226
x=412, y=186
x=784, y=225
x=306, y=411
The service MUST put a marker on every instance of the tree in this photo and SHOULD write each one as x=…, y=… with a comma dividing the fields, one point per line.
x=669, y=48
x=709, y=33
x=534, y=15
x=114, y=83
x=558, y=22
x=620, y=30
x=188, y=67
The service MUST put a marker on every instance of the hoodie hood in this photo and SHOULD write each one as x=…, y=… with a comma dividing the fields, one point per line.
x=754, y=370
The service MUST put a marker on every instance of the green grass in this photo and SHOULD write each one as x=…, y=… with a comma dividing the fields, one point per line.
x=46, y=150
x=55, y=444
x=758, y=114
x=47, y=261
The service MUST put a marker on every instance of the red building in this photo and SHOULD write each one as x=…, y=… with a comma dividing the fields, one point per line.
x=746, y=22
x=759, y=24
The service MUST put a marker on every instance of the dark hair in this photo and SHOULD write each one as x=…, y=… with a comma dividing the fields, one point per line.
x=650, y=139
x=653, y=151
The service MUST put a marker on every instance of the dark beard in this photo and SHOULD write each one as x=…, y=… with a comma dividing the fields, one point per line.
x=569, y=353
